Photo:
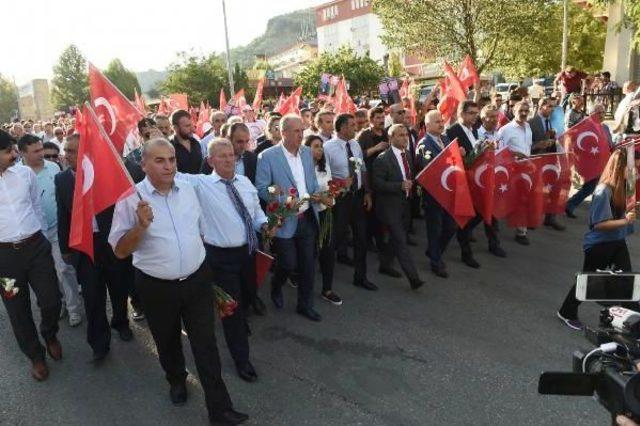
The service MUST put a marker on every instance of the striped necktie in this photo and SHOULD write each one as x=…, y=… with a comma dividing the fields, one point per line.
x=252, y=240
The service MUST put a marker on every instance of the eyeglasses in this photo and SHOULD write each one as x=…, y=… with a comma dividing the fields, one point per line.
x=401, y=112
x=51, y=157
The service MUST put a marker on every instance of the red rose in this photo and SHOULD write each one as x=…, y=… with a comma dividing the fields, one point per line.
x=293, y=192
x=273, y=206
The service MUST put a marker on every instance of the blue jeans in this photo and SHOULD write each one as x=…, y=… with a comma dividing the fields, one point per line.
x=577, y=198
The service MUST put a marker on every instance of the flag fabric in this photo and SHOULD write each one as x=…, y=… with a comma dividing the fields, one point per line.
x=468, y=75
x=101, y=179
x=178, y=101
x=454, y=86
x=503, y=195
x=406, y=92
x=202, y=118
x=445, y=179
x=588, y=146
x=291, y=104
x=343, y=104
x=526, y=181
x=238, y=100
x=555, y=171
x=116, y=113
x=257, y=99
x=281, y=100
x=163, y=107
x=139, y=102
x=263, y=264
x=223, y=100
x=447, y=105
x=453, y=93
x=482, y=180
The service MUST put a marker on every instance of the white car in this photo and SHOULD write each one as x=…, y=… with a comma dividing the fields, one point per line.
x=505, y=89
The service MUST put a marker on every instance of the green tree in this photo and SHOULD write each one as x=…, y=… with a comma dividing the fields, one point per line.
x=631, y=18
x=200, y=77
x=8, y=99
x=394, y=65
x=122, y=78
x=70, y=81
x=241, y=81
x=452, y=29
x=525, y=56
x=362, y=72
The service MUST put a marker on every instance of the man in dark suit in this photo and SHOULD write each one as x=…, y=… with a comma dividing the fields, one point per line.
x=106, y=272
x=392, y=180
x=440, y=225
x=544, y=142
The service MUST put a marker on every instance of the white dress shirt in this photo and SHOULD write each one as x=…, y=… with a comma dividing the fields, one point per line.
x=171, y=247
x=398, y=154
x=470, y=136
x=484, y=134
x=222, y=225
x=297, y=169
x=336, y=154
x=517, y=137
x=20, y=211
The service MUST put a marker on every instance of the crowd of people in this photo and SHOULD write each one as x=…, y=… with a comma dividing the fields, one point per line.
x=200, y=214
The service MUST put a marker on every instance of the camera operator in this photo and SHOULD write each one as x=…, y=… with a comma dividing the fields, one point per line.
x=605, y=243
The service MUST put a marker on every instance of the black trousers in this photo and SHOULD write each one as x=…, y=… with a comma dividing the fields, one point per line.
x=107, y=274
x=31, y=265
x=327, y=255
x=234, y=271
x=349, y=212
x=167, y=304
x=397, y=246
x=297, y=254
x=464, y=234
x=612, y=254
x=440, y=230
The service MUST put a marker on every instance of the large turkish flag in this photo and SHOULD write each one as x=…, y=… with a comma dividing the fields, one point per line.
x=482, y=184
x=526, y=181
x=588, y=145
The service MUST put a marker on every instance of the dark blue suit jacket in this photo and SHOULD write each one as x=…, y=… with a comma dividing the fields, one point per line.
x=428, y=143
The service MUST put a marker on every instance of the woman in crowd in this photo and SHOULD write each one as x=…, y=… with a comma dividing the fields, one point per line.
x=605, y=245
x=272, y=133
x=327, y=255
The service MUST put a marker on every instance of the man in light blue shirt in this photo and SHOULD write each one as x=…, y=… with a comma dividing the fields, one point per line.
x=232, y=216
x=32, y=153
x=161, y=228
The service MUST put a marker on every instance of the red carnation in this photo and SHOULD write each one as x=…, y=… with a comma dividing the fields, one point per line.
x=273, y=206
x=293, y=192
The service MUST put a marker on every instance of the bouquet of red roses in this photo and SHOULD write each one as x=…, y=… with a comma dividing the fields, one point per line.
x=225, y=304
x=8, y=288
x=278, y=211
x=337, y=187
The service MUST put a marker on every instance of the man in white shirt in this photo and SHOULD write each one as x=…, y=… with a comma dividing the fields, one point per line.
x=517, y=136
x=25, y=257
x=256, y=125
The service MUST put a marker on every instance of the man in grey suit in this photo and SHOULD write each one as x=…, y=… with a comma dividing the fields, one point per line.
x=544, y=142
x=392, y=182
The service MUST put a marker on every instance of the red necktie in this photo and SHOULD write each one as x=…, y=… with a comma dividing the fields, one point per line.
x=405, y=164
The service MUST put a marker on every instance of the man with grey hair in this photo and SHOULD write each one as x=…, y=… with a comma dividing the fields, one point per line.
x=217, y=119
x=162, y=231
x=232, y=216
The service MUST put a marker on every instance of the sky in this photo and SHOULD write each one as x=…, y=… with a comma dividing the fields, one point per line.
x=143, y=34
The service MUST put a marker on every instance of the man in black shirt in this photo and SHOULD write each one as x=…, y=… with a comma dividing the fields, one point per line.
x=188, y=151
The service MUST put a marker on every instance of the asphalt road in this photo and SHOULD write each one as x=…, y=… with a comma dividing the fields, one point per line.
x=462, y=351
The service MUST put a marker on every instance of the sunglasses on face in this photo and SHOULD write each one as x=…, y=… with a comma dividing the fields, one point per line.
x=51, y=157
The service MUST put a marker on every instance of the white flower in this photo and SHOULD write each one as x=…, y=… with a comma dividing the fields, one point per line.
x=306, y=196
x=272, y=189
x=427, y=155
x=9, y=283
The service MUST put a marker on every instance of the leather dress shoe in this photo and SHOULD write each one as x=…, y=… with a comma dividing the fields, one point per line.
x=470, y=261
x=309, y=313
x=258, y=307
x=345, y=260
x=247, y=373
x=227, y=418
x=125, y=334
x=54, y=349
x=497, y=251
x=366, y=284
x=99, y=356
x=277, y=298
x=178, y=394
x=416, y=284
x=554, y=224
x=522, y=240
x=39, y=370
x=440, y=271
x=389, y=271
x=570, y=214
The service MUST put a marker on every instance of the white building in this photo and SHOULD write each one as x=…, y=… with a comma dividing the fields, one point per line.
x=350, y=22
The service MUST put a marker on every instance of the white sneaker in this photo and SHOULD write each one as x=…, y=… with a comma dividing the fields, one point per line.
x=75, y=319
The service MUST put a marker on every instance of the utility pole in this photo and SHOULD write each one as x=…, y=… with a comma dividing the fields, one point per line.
x=565, y=34
x=226, y=37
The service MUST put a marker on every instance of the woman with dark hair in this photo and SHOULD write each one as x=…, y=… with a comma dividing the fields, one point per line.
x=605, y=245
x=327, y=255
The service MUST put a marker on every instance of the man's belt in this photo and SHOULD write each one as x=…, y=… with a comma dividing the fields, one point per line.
x=17, y=245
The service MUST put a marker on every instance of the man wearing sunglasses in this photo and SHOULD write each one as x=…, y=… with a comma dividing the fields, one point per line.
x=52, y=153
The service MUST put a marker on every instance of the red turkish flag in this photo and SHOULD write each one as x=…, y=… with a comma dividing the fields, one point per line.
x=116, y=113
x=178, y=101
x=468, y=74
x=454, y=86
x=526, y=181
x=290, y=104
x=139, y=102
x=556, y=181
x=223, y=100
x=263, y=264
x=344, y=104
x=163, y=107
x=587, y=144
x=406, y=93
x=503, y=195
x=482, y=180
x=502, y=119
x=445, y=179
x=101, y=179
x=257, y=99
x=281, y=100
x=202, y=118
x=452, y=94
x=238, y=100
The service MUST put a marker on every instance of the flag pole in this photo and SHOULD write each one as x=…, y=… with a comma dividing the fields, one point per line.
x=113, y=148
x=226, y=37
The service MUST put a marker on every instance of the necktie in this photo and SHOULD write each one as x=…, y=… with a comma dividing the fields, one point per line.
x=405, y=165
x=352, y=169
x=547, y=124
x=252, y=240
